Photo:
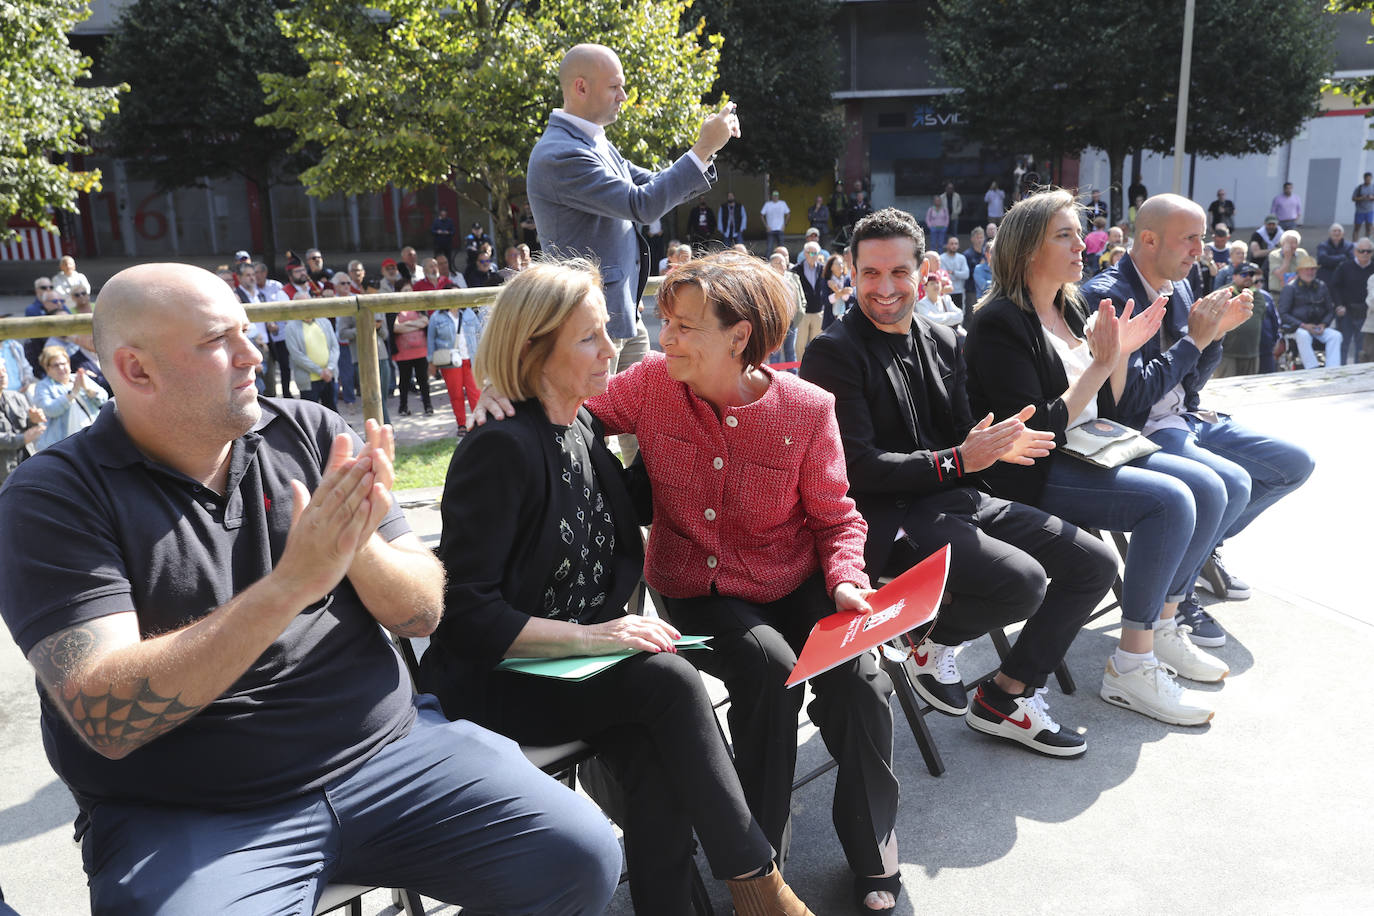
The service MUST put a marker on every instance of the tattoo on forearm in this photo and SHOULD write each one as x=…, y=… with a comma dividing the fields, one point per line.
x=419, y=625
x=115, y=718
x=109, y=721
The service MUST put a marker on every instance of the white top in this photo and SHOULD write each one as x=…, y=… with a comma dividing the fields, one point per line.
x=1076, y=358
x=940, y=311
x=775, y=214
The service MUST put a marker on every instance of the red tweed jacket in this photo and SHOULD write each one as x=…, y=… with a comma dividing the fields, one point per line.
x=753, y=501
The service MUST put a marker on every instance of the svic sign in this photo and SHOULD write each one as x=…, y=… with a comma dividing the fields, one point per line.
x=927, y=116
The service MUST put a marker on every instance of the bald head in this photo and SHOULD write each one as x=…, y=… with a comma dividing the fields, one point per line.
x=583, y=61
x=593, y=83
x=1159, y=210
x=140, y=301
x=1169, y=238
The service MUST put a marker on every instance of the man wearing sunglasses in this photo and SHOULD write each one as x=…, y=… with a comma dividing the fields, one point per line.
x=46, y=301
x=1350, y=287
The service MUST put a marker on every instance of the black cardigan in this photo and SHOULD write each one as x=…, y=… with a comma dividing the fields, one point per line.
x=1012, y=363
x=498, y=542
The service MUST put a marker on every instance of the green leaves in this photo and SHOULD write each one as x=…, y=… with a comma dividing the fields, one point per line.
x=44, y=113
x=1104, y=73
x=194, y=100
x=1361, y=89
x=415, y=93
x=779, y=63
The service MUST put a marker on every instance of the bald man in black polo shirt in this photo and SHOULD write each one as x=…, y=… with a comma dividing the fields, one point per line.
x=198, y=580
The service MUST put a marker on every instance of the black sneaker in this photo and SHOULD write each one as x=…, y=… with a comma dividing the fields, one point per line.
x=1216, y=579
x=1206, y=631
x=1026, y=720
x=937, y=678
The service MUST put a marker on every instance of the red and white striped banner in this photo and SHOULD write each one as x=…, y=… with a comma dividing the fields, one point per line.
x=33, y=244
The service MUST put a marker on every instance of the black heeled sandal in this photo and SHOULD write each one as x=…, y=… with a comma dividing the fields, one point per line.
x=865, y=885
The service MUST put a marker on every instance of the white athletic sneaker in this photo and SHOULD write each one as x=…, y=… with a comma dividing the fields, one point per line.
x=1151, y=691
x=937, y=678
x=1175, y=648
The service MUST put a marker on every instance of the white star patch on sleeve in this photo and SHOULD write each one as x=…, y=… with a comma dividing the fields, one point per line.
x=948, y=463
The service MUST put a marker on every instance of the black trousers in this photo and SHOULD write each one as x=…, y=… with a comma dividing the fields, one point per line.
x=282, y=357
x=650, y=720
x=1001, y=554
x=754, y=650
x=419, y=369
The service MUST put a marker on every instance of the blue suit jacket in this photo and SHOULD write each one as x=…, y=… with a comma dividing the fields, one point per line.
x=1163, y=362
x=588, y=202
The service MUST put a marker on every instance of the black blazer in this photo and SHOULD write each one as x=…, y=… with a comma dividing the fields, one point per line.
x=1012, y=363
x=498, y=542
x=816, y=296
x=887, y=468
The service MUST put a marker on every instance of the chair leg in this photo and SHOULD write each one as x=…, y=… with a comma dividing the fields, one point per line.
x=915, y=717
x=407, y=901
x=1061, y=673
x=1000, y=642
x=1065, y=678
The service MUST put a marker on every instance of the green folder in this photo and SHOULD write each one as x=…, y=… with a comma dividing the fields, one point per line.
x=581, y=667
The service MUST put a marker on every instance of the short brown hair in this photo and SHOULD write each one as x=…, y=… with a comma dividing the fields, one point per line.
x=524, y=322
x=740, y=288
x=888, y=223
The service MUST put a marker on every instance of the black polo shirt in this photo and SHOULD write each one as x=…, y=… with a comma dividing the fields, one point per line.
x=91, y=527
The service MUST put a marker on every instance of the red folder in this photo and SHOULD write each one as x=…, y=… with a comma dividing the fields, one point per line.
x=901, y=605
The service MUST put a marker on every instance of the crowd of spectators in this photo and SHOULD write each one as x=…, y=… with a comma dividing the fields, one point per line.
x=776, y=500
x=316, y=359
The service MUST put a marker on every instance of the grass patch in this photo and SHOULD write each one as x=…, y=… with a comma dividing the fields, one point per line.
x=425, y=464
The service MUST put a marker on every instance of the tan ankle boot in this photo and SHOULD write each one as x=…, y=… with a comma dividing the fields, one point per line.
x=765, y=895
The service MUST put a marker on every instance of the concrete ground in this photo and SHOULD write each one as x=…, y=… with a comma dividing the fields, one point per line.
x=1269, y=809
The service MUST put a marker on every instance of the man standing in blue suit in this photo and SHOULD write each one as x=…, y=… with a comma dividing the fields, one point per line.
x=588, y=199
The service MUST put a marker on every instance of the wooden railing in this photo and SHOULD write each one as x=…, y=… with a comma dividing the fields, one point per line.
x=365, y=308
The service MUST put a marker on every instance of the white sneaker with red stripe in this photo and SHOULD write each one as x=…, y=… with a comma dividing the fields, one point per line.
x=1026, y=720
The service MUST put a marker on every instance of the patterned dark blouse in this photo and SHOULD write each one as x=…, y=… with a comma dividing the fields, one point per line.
x=577, y=587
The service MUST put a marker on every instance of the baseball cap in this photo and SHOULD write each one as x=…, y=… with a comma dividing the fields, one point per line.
x=389, y=262
x=1247, y=269
x=1271, y=218
x=242, y=255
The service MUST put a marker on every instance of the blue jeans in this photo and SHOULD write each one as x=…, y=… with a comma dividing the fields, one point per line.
x=386, y=372
x=787, y=353
x=451, y=811
x=1271, y=468
x=1155, y=498
x=936, y=242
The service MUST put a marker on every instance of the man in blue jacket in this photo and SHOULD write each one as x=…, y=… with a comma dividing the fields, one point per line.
x=1165, y=377
x=588, y=199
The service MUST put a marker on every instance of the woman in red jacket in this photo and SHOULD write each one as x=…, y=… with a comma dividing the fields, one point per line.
x=755, y=539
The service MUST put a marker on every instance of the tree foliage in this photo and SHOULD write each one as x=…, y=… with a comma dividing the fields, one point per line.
x=415, y=93
x=1360, y=89
x=194, y=99
x=44, y=114
x=1028, y=84
x=780, y=64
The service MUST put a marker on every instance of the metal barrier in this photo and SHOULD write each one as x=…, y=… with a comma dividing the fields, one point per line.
x=369, y=380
